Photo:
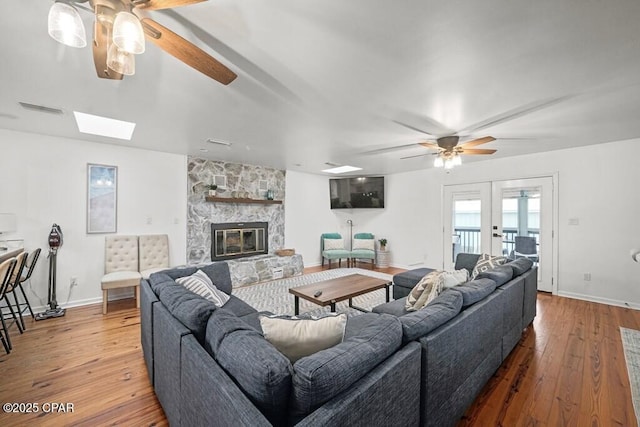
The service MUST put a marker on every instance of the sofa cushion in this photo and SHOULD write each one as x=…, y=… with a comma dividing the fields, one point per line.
x=253, y=319
x=466, y=261
x=219, y=274
x=327, y=373
x=419, y=323
x=501, y=274
x=520, y=266
x=475, y=291
x=427, y=289
x=487, y=262
x=199, y=283
x=238, y=307
x=261, y=371
x=396, y=308
x=190, y=309
x=297, y=338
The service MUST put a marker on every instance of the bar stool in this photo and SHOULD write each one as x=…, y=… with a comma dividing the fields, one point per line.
x=14, y=283
x=6, y=270
x=32, y=259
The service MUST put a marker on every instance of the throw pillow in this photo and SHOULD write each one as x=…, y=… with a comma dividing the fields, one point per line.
x=487, y=262
x=333, y=244
x=297, y=338
x=454, y=278
x=427, y=289
x=199, y=283
x=368, y=244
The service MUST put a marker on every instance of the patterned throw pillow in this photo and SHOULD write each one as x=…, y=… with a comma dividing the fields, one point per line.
x=297, y=338
x=427, y=289
x=368, y=244
x=487, y=262
x=199, y=283
x=454, y=278
x=333, y=244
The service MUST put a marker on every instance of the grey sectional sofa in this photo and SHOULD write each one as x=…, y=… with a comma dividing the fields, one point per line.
x=466, y=333
x=212, y=366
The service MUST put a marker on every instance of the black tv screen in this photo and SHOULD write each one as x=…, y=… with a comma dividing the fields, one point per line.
x=354, y=193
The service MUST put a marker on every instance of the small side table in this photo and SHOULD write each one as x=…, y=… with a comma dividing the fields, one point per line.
x=383, y=259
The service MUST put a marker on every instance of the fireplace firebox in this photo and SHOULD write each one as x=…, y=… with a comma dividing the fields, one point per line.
x=239, y=239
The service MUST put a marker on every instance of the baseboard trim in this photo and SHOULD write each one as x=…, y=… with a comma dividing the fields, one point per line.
x=600, y=300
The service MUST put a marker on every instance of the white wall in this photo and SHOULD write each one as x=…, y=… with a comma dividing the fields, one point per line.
x=43, y=180
x=596, y=186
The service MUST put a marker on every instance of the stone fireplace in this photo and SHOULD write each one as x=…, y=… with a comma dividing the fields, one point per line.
x=238, y=239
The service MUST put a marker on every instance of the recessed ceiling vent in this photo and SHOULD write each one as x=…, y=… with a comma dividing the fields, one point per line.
x=41, y=108
x=219, y=142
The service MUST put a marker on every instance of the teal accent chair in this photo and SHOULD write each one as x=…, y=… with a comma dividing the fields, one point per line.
x=360, y=251
x=331, y=254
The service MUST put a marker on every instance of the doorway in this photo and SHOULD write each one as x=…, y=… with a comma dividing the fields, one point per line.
x=513, y=218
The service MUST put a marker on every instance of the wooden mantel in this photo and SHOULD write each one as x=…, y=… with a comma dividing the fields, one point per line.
x=215, y=199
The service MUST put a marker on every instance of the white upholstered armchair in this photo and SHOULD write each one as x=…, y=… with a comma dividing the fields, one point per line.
x=120, y=266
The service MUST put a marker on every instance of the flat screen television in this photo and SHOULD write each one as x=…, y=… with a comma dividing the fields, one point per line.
x=355, y=193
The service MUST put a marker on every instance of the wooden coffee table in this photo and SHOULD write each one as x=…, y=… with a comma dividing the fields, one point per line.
x=336, y=290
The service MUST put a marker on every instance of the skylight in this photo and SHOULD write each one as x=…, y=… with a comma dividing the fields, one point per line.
x=104, y=126
x=342, y=169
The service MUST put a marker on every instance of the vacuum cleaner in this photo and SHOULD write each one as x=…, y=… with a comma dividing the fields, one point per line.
x=55, y=243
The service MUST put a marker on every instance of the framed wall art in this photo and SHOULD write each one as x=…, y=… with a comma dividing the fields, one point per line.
x=102, y=198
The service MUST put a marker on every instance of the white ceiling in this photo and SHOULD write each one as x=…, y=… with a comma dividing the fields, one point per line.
x=326, y=81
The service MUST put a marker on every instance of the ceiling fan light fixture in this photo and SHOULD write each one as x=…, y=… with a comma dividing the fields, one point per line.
x=448, y=164
x=457, y=160
x=65, y=25
x=438, y=162
x=121, y=61
x=128, y=34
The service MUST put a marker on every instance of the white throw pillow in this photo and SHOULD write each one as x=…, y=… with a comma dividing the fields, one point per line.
x=333, y=244
x=297, y=338
x=454, y=278
x=368, y=244
x=199, y=283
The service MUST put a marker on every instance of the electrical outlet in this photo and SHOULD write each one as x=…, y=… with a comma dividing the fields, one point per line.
x=587, y=277
x=73, y=281
x=149, y=220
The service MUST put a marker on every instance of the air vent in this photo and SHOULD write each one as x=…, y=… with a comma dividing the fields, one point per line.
x=41, y=108
x=219, y=142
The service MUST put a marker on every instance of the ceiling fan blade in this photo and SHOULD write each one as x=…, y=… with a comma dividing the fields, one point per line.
x=413, y=157
x=389, y=149
x=427, y=144
x=187, y=52
x=477, y=151
x=162, y=4
x=515, y=113
x=100, y=44
x=477, y=141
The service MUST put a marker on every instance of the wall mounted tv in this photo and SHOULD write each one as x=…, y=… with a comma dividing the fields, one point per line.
x=354, y=193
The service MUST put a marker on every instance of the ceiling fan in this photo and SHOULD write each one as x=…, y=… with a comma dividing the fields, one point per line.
x=450, y=151
x=119, y=34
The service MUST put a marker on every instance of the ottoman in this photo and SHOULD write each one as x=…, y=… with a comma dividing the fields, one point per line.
x=404, y=282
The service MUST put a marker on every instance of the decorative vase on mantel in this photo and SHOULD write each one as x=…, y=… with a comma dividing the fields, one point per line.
x=212, y=189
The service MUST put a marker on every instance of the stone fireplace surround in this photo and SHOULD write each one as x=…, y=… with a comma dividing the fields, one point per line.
x=201, y=214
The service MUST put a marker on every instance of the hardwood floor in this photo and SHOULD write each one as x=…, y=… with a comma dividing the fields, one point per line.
x=568, y=369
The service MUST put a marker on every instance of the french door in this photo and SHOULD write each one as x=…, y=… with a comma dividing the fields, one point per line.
x=510, y=218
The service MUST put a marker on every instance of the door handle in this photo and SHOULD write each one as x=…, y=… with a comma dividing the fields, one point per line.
x=497, y=235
